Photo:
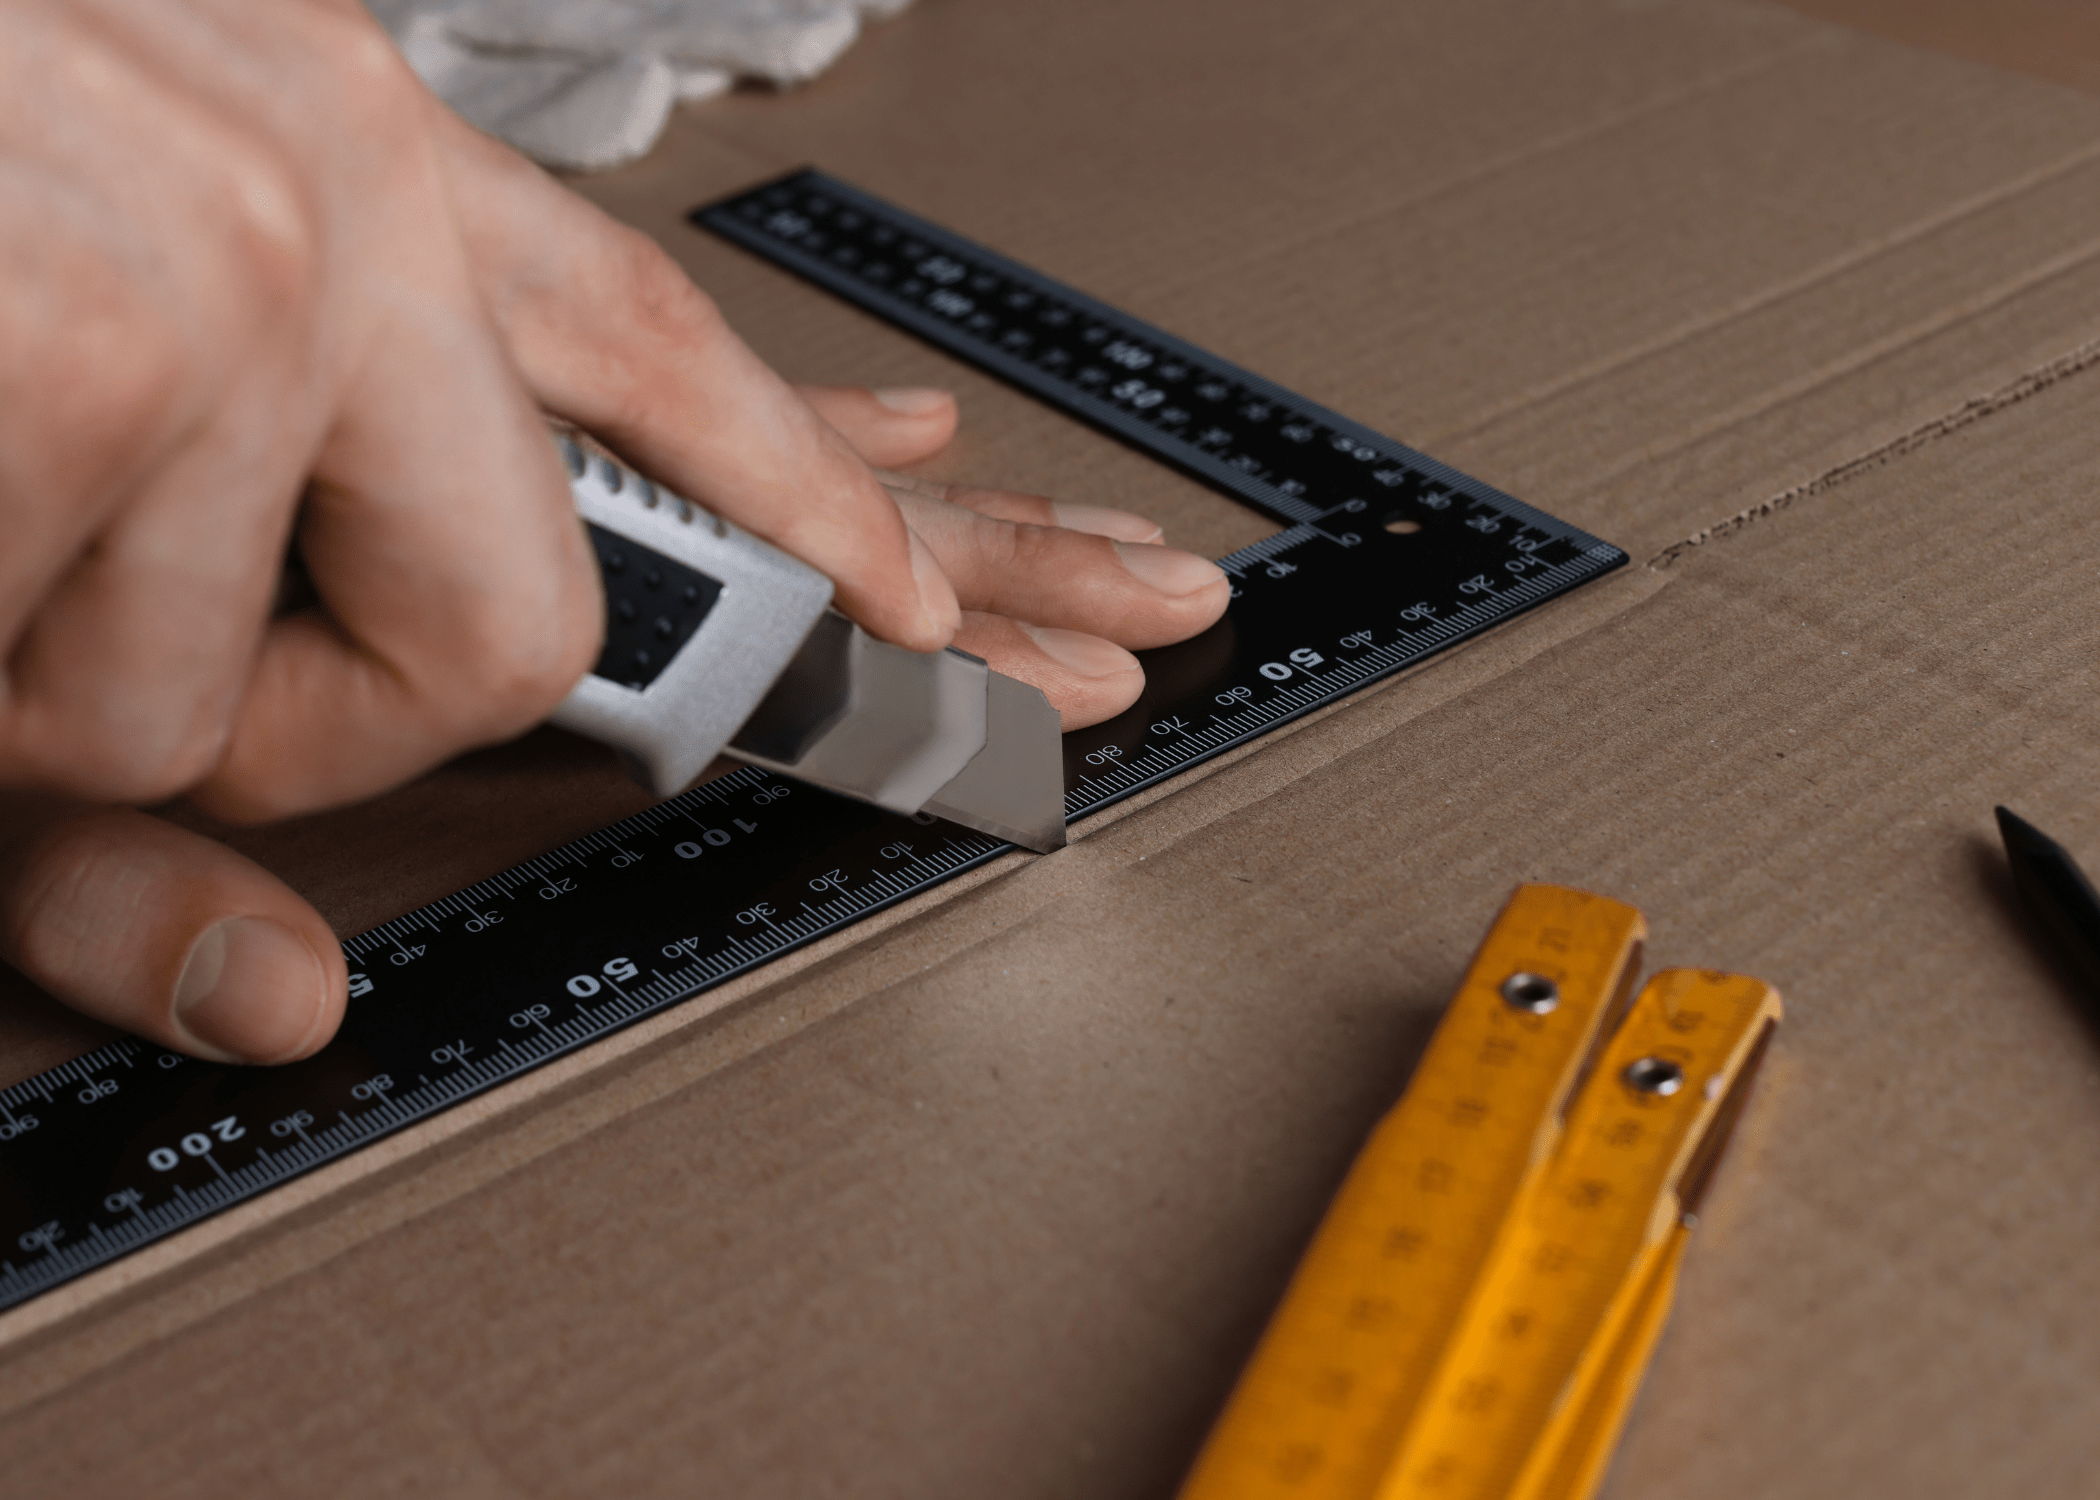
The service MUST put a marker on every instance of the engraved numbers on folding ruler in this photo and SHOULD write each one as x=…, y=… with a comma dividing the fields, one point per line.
x=1387, y=557
x=1474, y=1313
x=1584, y=1272
x=1348, y=1354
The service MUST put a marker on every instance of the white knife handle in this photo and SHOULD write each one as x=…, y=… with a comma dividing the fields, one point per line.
x=717, y=642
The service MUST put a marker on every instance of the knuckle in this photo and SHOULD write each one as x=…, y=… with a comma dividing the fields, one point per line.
x=981, y=547
x=514, y=695
x=1003, y=505
x=1083, y=567
x=518, y=676
x=657, y=291
x=133, y=765
x=366, y=69
x=96, y=370
x=71, y=726
x=363, y=116
x=146, y=390
x=169, y=775
x=657, y=320
x=272, y=226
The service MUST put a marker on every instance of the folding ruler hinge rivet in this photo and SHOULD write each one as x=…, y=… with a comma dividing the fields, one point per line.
x=1532, y=993
x=1654, y=1075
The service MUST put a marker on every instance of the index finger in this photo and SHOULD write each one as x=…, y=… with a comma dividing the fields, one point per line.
x=610, y=334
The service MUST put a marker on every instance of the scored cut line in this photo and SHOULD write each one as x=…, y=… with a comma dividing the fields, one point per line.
x=83, y=1240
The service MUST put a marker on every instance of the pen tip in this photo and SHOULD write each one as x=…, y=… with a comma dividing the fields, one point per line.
x=2012, y=826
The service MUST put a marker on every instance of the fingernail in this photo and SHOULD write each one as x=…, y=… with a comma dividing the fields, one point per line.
x=1168, y=569
x=913, y=400
x=941, y=616
x=1088, y=655
x=251, y=991
x=1099, y=520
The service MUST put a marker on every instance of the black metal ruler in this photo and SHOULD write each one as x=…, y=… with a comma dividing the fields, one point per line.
x=1386, y=558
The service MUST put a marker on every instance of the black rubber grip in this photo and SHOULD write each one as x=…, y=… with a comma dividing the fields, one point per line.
x=653, y=604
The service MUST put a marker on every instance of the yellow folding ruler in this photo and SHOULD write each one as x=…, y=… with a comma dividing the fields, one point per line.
x=1472, y=1319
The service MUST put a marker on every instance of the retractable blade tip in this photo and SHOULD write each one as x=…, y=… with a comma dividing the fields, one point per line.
x=1013, y=788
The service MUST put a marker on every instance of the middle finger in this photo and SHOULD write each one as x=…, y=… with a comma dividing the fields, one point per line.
x=1136, y=594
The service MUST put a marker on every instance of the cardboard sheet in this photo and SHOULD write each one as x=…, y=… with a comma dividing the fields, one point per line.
x=992, y=1197
x=2054, y=39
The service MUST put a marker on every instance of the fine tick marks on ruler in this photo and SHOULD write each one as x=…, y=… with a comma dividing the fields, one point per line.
x=1322, y=608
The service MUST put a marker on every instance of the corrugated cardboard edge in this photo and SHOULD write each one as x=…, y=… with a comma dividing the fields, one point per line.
x=75, y=1329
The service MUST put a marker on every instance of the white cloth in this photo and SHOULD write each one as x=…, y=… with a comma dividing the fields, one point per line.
x=588, y=84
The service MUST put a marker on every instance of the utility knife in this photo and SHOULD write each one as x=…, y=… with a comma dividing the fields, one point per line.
x=717, y=643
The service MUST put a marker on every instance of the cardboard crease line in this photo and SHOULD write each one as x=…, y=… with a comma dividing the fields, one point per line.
x=1970, y=412
x=84, y=1325
x=1865, y=254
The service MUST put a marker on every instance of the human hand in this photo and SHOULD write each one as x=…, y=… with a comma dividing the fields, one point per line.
x=261, y=284
x=96, y=900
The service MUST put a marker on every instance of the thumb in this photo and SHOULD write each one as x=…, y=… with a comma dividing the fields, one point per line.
x=165, y=933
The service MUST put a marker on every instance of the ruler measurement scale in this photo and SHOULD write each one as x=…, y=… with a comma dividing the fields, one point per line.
x=1323, y=1400
x=1474, y=1313
x=179, y=1140
x=1465, y=555
x=131, y=1143
x=1282, y=454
